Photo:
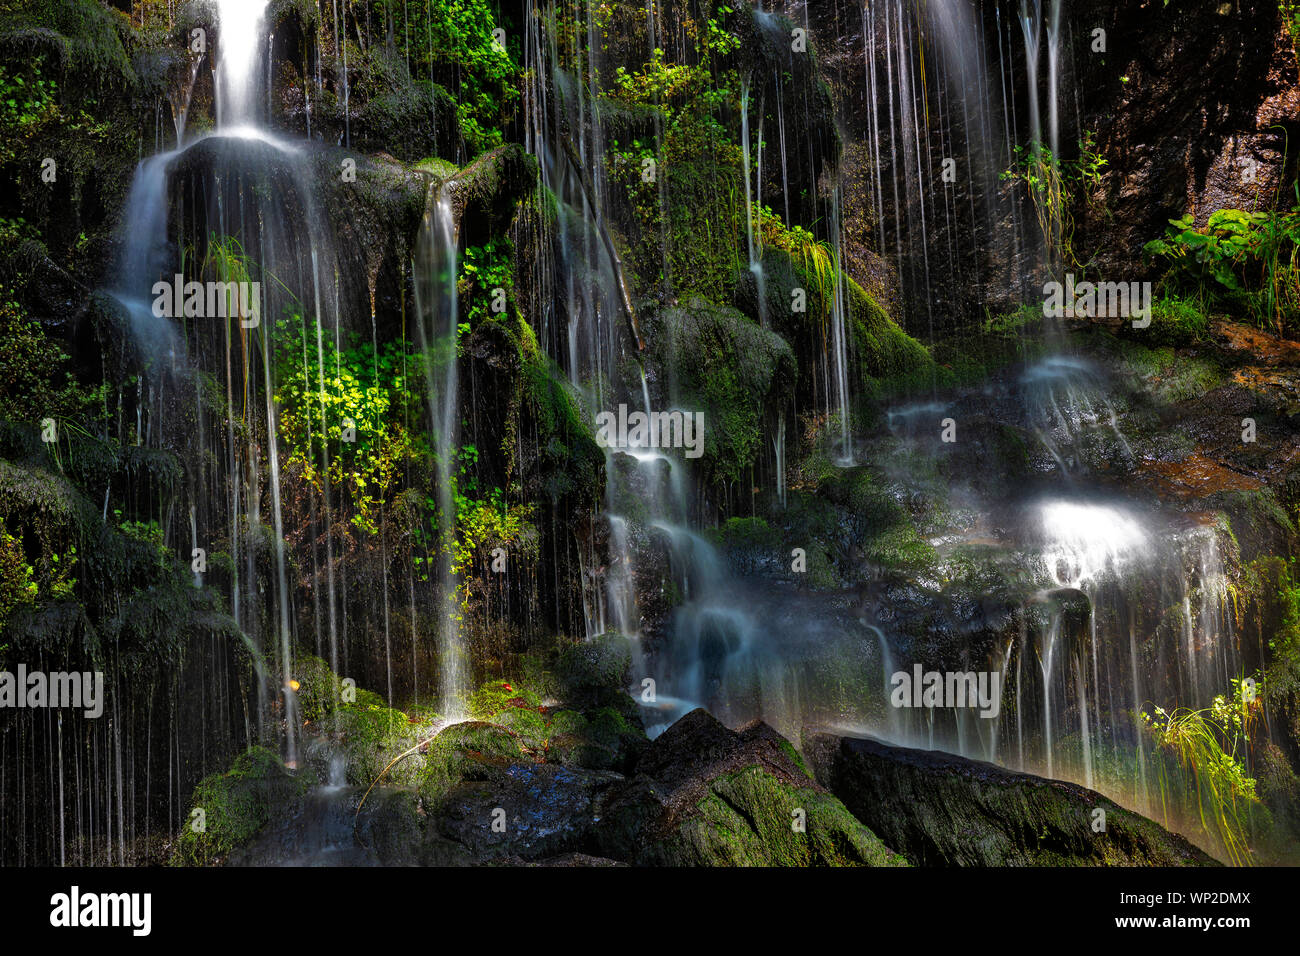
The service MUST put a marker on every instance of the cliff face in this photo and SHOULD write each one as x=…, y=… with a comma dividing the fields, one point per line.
x=1194, y=105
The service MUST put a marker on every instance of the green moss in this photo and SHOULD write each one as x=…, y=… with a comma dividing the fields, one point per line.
x=319, y=688
x=885, y=530
x=747, y=819
x=795, y=757
x=883, y=359
x=530, y=726
x=467, y=751
x=1176, y=322
x=594, y=666
x=1168, y=376
x=569, y=462
x=495, y=696
x=568, y=722
x=372, y=736
x=514, y=707
x=83, y=37
x=730, y=369
x=235, y=805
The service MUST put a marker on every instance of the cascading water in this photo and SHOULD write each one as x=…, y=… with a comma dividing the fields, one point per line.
x=855, y=513
x=437, y=307
x=240, y=22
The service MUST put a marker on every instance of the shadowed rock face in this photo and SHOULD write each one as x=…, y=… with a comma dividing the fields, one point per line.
x=707, y=795
x=944, y=810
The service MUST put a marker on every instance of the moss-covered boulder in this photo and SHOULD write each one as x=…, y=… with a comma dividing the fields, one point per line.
x=944, y=810
x=472, y=750
x=228, y=809
x=707, y=796
x=713, y=359
x=597, y=725
x=796, y=297
x=368, y=737
x=486, y=193
x=589, y=669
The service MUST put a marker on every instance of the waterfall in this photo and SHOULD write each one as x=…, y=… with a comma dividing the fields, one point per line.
x=753, y=241
x=240, y=23
x=437, y=306
x=839, y=336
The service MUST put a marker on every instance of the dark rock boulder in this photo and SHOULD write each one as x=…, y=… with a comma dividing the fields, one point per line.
x=486, y=193
x=532, y=811
x=944, y=810
x=707, y=795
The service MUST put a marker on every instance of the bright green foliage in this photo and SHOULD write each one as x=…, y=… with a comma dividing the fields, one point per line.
x=1208, y=747
x=1055, y=185
x=451, y=42
x=494, y=696
x=353, y=404
x=27, y=105
x=1246, y=262
x=1177, y=322
x=83, y=38
x=882, y=356
x=694, y=203
x=484, y=270
x=35, y=382
x=17, y=577
x=483, y=524
x=810, y=254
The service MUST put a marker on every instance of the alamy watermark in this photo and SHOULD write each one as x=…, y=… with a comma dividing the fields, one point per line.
x=1114, y=300
x=76, y=689
x=921, y=688
x=674, y=429
x=75, y=909
x=211, y=300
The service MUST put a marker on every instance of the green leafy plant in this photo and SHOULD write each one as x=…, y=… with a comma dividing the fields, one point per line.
x=452, y=44
x=1055, y=185
x=1206, y=750
x=349, y=407
x=17, y=577
x=1244, y=262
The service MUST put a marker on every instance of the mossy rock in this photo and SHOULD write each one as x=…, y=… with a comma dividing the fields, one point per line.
x=319, y=688
x=883, y=359
x=529, y=726
x=747, y=820
x=568, y=722
x=605, y=739
x=704, y=795
x=486, y=193
x=391, y=826
x=236, y=805
x=372, y=736
x=591, y=667
x=473, y=750
x=719, y=362
x=944, y=810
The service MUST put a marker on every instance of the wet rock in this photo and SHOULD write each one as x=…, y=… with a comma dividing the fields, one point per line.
x=944, y=810
x=486, y=193
x=706, y=795
x=473, y=750
x=533, y=811
x=1177, y=138
x=236, y=805
x=727, y=367
x=587, y=670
